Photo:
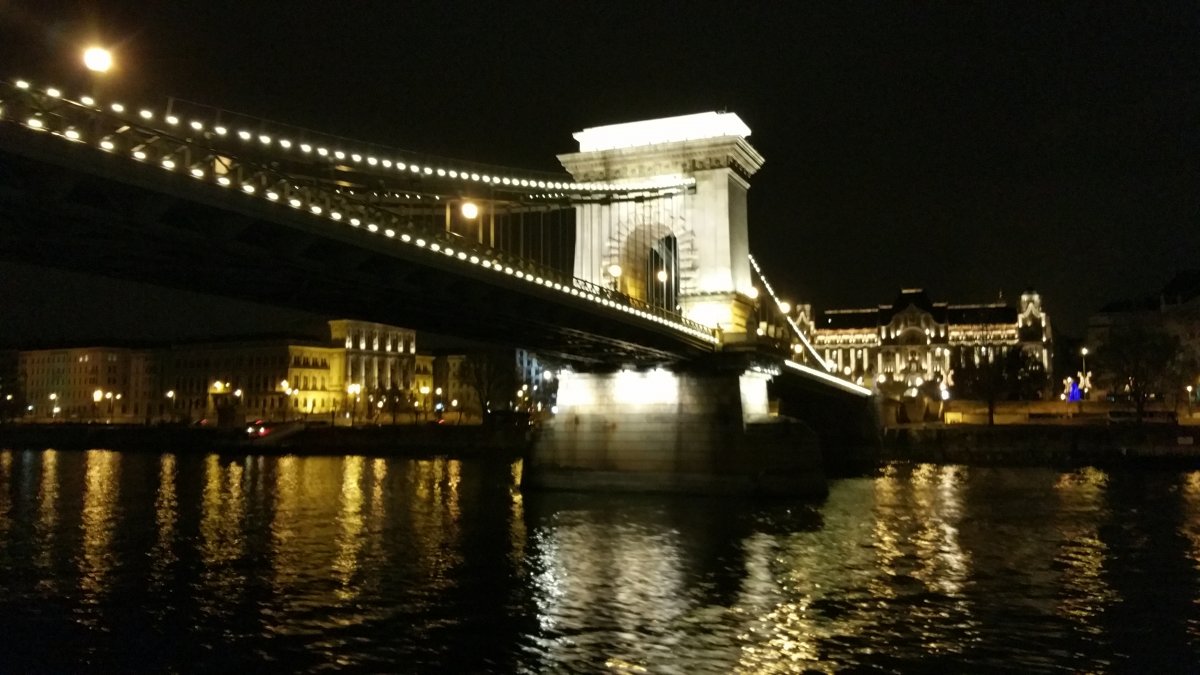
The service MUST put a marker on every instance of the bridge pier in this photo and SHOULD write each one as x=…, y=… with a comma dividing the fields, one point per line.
x=696, y=431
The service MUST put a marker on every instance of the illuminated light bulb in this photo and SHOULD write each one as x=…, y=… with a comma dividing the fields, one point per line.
x=87, y=100
x=53, y=93
x=785, y=307
x=508, y=270
x=462, y=256
x=469, y=210
x=486, y=264
x=196, y=125
x=387, y=163
x=474, y=176
x=400, y=166
x=322, y=152
x=335, y=215
x=272, y=195
x=453, y=173
x=421, y=243
x=72, y=134
x=356, y=157
x=264, y=139
x=198, y=173
x=221, y=131
x=285, y=143
x=107, y=144
x=171, y=119
x=414, y=168
x=506, y=180
x=435, y=247
x=138, y=154
x=752, y=292
x=168, y=164
x=339, y=154
x=614, y=270
x=316, y=210
x=146, y=114
x=428, y=171
x=248, y=189
x=97, y=59
x=662, y=276
x=487, y=178
x=474, y=260
x=441, y=172
x=244, y=135
x=372, y=227
x=390, y=232
x=295, y=203
x=355, y=222
x=223, y=181
x=22, y=84
x=305, y=147
x=405, y=238
x=117, y=108
x=372, y=161
x=448, y=251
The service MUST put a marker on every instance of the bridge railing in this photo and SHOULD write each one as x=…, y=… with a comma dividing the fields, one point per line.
x=192, y=148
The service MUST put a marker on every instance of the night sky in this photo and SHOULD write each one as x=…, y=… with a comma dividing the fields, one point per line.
x=967, y=148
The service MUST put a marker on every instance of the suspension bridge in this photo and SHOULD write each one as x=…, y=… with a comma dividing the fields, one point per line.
x=633, y=266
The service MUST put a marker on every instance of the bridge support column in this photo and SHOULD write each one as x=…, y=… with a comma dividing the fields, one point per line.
x=663, y=431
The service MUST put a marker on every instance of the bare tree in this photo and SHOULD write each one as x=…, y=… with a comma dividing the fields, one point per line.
x=492, y=375
x=1138, y=359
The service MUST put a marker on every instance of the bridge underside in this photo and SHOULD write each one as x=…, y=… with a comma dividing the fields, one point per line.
x=73, y=208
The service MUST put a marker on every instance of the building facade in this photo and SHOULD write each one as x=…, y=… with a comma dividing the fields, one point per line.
x=917, y=340
x=225, y=381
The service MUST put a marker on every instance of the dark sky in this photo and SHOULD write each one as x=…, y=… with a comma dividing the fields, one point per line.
x=963, y=147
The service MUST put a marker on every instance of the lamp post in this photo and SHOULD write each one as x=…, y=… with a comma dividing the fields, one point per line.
x=171, y=398
x=97, y=396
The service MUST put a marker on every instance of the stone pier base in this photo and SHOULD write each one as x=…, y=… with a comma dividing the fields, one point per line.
x=661, y=431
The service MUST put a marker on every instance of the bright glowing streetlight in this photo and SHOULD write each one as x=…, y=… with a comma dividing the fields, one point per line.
x=469, y=210
x=97, y=59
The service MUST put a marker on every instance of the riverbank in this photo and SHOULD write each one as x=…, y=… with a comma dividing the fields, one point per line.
x=1166, y=445
x=298, y=438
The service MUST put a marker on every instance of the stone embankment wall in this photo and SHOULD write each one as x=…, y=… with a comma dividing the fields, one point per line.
x=1049, y=444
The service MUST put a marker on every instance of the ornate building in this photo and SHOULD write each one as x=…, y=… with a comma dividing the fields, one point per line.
x=915, y=338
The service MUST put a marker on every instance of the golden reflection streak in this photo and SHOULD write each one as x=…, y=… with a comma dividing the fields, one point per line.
x=221, y=539
x=1086, y=592
x=284, y=555
x=165, y=515
x=435, y=516
x=6, y=461
x=47, y=517
x=1189, y=529
x=519, y=534
x=100, y=494
x=379, y=475
x=350, y=528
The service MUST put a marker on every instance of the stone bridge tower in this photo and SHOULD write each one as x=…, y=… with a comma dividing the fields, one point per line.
x=685, y=252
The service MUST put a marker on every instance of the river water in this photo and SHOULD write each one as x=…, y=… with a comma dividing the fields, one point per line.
x=144, y=562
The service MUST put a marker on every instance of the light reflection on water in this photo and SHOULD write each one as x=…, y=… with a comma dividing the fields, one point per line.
x=116, y=561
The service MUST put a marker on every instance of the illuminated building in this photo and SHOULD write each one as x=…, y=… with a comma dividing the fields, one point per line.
x=914, y=338
x=282, y=378
x=106, y=384
x=226, y=380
